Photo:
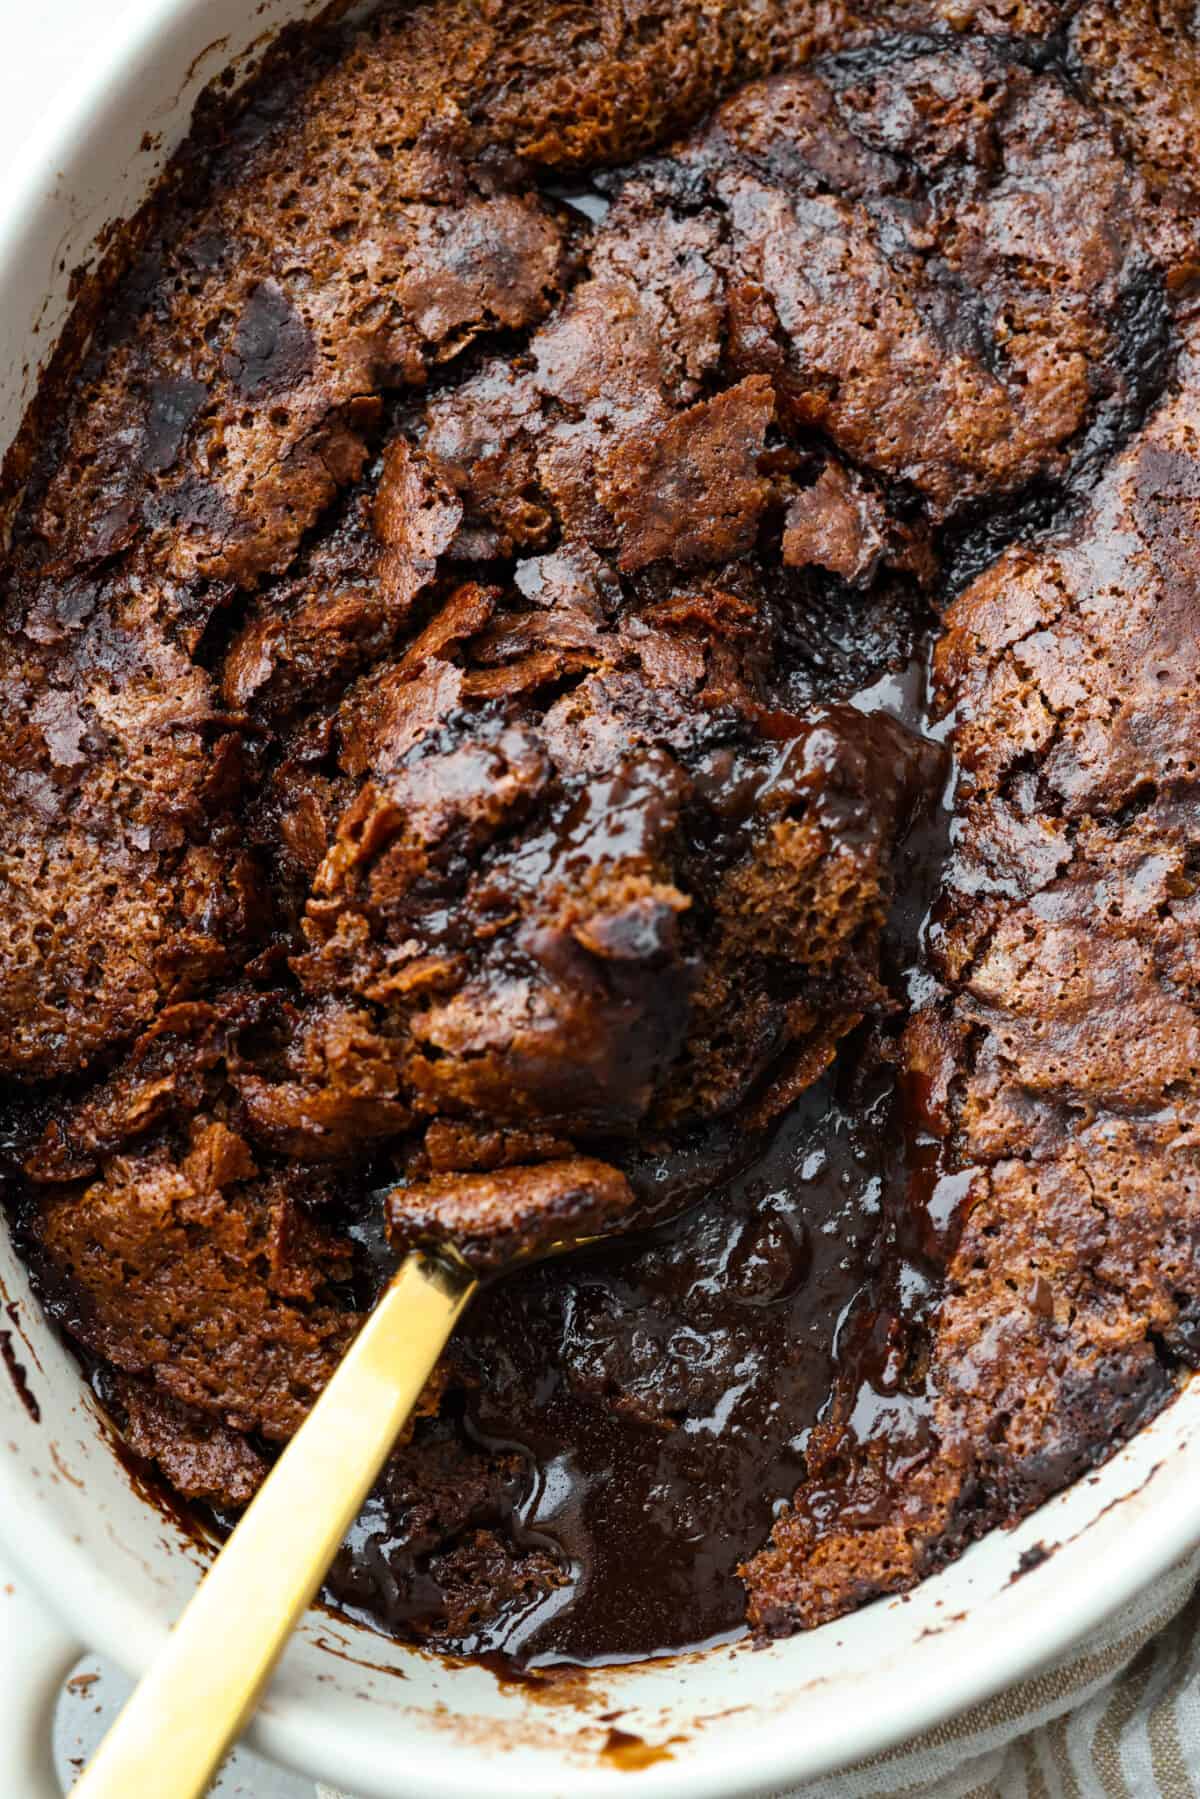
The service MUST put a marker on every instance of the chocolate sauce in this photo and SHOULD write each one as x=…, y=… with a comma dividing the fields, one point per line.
x=722, y=1329
x=727, y=1332
x=18, y=1377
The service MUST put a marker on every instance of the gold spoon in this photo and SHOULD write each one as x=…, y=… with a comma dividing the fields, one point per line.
x=184, y=1715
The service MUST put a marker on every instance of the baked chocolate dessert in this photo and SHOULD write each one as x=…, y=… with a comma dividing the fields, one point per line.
x=495, y=580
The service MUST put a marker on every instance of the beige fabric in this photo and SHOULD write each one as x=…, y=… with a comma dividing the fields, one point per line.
x=1118, y=1718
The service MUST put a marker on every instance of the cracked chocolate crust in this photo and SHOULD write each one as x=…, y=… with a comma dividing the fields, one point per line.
x=1059, y=1063
x=440, y=788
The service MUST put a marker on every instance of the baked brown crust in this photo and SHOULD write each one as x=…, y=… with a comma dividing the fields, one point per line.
x=1066, y=1046
x=435, y=635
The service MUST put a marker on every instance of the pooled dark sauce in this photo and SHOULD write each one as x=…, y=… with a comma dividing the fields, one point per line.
x=728, y=1332
x=724, y=1327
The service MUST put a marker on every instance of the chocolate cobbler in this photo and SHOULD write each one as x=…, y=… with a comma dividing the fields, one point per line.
x=601, y=611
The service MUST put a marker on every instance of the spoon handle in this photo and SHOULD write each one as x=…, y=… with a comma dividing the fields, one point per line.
x=186, y=1712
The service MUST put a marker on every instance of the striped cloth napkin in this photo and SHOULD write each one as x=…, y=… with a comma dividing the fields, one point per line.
x=1116, y=1718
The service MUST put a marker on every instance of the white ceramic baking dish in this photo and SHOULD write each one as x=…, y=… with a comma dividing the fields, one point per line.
x=348, y=1706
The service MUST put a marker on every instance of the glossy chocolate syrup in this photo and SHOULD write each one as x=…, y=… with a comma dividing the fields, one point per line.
x=727, y=1332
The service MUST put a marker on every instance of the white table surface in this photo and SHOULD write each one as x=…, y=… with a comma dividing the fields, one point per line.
x=42, y=45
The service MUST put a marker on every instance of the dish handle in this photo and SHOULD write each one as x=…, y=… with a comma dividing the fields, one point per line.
x=36, y=1655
